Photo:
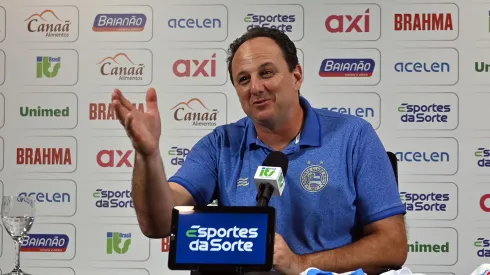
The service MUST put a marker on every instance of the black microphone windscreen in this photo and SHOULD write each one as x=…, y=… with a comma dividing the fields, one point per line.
x=277, y=159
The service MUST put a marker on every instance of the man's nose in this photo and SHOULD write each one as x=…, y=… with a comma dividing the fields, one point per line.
x=256, y=85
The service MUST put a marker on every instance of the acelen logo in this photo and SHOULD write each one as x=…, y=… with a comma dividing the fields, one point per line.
x=114, y=158
x=105, y=111
x=195, y=67
x=119, y=22
x=341, y=23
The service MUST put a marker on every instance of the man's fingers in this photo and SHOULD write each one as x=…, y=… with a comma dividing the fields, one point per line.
x=151, y=100
x=124, y=101
x=121, y=112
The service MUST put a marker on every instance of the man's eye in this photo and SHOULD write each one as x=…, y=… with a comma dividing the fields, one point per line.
x=267, y=73
x=243, y=80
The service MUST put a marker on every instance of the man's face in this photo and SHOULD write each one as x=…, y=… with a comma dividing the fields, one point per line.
x=264, y=85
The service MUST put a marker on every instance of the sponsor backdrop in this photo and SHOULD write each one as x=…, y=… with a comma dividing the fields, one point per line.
x=418, y=72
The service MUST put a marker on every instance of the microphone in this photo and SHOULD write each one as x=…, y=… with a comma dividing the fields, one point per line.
x=269, y=178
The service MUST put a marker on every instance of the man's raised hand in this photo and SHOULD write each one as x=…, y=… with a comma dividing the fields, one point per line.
x=144, y=129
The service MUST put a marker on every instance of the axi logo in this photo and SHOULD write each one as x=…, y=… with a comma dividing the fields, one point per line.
x=114, y=240
x=114, y=158
x=428, y=248
x=44, y=156
x=211, y=239
x=45, y=243
x=195, y=68
x=481, y=67
x=483, y=156
x=348, y=23
x=483, y=246
x=483, y=201
x=415, y=113
x=48, y=22
x=117, y=22
x=424, y=202
x=43, y=66
x=178, y=155
x=196, y=112
x=341, y=67
x=267, y=171
x=423, y=22
x=105, y=111
x=122, y=67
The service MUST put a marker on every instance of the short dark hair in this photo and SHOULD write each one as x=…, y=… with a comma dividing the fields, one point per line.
x=282, y=40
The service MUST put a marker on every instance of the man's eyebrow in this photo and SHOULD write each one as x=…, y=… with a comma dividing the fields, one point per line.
x=261, y=67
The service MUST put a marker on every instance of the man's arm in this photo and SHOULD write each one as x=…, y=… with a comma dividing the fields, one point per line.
x=154, y=197
x=383, y=246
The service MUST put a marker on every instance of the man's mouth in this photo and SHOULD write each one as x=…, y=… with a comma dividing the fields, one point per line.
x=260, y=101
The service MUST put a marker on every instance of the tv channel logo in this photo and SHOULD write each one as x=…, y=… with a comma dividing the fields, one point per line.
x=286, y=18
x=432, y=111
x=430, y=201
x=232, y=238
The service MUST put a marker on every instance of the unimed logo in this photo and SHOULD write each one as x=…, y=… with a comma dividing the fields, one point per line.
x=417, y=247
x=211, y=239
x=114, y=158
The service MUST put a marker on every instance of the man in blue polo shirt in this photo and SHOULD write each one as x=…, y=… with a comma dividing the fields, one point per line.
x=339, y=179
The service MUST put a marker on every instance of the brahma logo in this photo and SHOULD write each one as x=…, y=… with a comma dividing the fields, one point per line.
x=341, y=67
x=105, y=111
x=194, y=112
x=119, y=22
x=45, y=243
x=52, y=24
x=211, y=239
x=44, y=156
x=423, y=22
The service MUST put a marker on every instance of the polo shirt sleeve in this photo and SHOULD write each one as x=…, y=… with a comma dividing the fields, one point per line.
x=377, y=192
x=199, y=172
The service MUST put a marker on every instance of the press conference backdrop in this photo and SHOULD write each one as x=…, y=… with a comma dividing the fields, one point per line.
x=419, y=73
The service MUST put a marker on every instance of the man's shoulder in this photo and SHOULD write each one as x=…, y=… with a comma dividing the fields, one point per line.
x=331, y=120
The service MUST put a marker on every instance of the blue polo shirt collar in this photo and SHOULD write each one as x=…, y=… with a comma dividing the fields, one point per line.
x=310, y=135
